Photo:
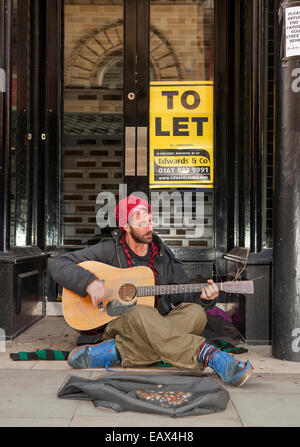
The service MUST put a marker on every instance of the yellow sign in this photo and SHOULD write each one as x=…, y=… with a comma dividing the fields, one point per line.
x=181, y=134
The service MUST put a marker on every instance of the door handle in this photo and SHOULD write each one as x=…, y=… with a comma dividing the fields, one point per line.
x=129, y=150
x=142, y=152
x=131, y=96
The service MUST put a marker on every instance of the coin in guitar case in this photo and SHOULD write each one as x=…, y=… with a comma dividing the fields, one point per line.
x=165, y=398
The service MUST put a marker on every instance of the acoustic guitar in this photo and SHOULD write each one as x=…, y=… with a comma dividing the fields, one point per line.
x=124, y=288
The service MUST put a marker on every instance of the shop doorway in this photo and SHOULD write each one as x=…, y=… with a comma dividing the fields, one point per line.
x=113, y=52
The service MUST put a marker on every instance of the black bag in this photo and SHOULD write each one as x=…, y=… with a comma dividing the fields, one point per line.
x=173, y=395
x=217, y=328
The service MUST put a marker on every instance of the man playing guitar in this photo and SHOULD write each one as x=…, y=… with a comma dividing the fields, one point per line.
x=143, y=335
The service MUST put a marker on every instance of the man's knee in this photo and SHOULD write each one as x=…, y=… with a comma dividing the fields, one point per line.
x=195, y=315
x=198, y=318
x=200, y=313
x=139, y=312
x=141, y=319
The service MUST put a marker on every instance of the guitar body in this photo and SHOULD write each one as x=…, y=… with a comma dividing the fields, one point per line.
x=120, y=287
x=125, y=288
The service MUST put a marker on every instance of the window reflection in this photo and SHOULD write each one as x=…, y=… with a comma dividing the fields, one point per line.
x=21, y=148
x=182, y=49
x=92, y=156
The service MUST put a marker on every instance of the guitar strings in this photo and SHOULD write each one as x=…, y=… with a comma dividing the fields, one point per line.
x=241, y=269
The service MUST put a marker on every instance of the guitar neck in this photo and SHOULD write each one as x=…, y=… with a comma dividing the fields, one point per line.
x=171, y=289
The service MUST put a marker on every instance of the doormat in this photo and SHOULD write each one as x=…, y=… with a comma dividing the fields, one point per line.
x=175, y=396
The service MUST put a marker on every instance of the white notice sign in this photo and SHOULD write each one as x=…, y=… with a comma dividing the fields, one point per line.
x=292, y=31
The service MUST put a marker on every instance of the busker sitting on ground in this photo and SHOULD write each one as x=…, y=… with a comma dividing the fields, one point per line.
x=143, y=335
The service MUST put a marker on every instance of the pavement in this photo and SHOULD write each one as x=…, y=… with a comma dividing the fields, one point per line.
x=28, y=389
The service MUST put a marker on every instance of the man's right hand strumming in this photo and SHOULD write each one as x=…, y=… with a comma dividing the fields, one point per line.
x=96, y=290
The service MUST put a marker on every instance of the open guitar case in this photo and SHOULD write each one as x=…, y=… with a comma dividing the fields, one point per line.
x=175, y=396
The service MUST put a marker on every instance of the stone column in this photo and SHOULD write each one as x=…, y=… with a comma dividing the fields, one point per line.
x=286, y=245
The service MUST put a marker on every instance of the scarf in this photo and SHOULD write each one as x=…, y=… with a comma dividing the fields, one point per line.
x=153, y=253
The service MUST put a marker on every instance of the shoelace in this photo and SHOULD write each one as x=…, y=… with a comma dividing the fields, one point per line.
x=111, y=370
x=107, y=360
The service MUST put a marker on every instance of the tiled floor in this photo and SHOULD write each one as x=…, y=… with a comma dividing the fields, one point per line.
x=28, y=390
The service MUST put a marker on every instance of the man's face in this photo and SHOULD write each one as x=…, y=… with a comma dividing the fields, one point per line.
x=140, y=226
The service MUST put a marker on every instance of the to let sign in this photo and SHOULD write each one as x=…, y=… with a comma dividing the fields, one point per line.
x=181, y=134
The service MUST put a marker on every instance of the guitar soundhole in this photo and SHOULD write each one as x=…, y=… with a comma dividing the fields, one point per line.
x=127, y=292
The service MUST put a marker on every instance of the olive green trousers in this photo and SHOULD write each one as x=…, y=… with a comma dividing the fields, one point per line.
x=143, y=336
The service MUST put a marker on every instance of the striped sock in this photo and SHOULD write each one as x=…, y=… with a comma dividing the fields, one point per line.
x=206, y=352
x=43, y=354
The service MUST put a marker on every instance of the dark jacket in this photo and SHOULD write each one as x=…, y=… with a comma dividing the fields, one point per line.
x=68, y=274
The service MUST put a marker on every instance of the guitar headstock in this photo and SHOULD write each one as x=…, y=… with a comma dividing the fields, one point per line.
x=242, y=287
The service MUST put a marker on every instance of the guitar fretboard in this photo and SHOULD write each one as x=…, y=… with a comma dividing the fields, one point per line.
x=171, y=289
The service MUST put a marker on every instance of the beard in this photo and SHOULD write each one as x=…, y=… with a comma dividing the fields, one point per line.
x=144, y=239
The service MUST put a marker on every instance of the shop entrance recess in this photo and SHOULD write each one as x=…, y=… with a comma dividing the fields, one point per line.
x=136, y=72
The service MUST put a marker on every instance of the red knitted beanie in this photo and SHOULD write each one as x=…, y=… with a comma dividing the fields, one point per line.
x=125, y=206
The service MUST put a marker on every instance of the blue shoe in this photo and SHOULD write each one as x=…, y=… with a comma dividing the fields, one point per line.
x=229, y=369
x=94, y=356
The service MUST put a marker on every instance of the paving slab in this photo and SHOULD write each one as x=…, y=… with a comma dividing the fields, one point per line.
x=32, y=394
x=269, y=384
x=28, y=389
x=86, y=410
x=29, y=398
x=263, y=362
x=34, y=422
x=267, y=410
x=7, y=363
x=154, y=421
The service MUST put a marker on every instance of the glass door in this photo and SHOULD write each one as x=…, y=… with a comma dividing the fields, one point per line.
x=25, y=116
x=114, y=52
x=181, y=147
x=92, y=154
